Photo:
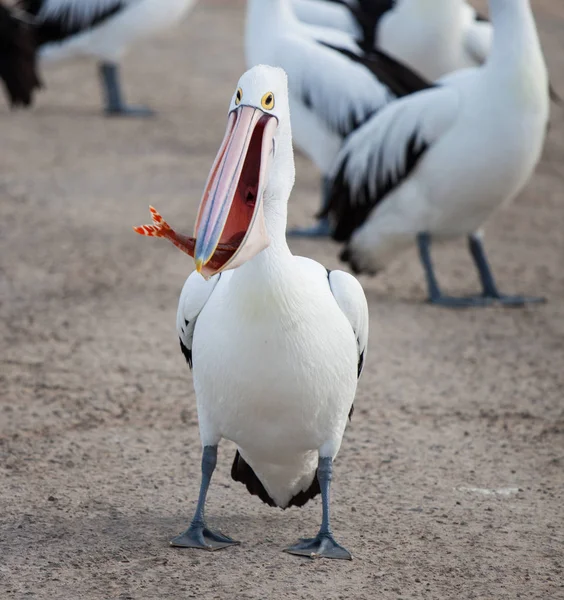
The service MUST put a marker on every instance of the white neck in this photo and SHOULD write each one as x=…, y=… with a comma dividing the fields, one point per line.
x=516, y=49
x=264, y=18
x=266, y=265
x=264, y=13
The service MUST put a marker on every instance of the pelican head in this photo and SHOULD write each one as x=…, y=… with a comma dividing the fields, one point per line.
x=230, y=228
x=254, y=164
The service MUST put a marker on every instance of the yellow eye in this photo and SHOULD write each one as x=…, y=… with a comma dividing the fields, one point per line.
x=238, y=96
x=268, y=101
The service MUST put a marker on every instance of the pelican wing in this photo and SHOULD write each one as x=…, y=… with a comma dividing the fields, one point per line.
x=343, y=93
x=194, y=295
x=59, y=19
x=381, y=155
x=351, y=300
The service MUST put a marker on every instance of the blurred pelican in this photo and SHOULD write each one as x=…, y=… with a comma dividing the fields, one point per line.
x=437, y=164
x=332, y=88
x=99, y=29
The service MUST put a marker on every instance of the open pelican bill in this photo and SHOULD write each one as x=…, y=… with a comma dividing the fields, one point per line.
x=230, y=227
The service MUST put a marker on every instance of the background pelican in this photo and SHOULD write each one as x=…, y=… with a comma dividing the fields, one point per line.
x=277, y=343
x=438, y=163
x=100, y=29
x=332, y=89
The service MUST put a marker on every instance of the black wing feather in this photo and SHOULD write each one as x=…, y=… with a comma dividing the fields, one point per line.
x=57, y=29
x=241, y=471
x=347, y=212
x=17, y=59
x=395, y=75
x=367, y=14
x=187, y=354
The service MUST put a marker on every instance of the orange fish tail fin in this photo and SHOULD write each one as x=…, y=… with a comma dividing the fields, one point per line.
x=159, y=228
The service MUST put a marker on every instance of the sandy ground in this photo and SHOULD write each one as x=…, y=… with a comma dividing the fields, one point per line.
x=450, y=482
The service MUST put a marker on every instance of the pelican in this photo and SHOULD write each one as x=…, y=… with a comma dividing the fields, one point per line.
x=276, y=342
x=102, y=30
x=433, y=37
x=17, y=57
x=332, y=89
x=437, y=164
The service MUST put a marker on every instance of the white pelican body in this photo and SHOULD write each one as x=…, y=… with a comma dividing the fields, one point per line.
x=290, y=373
x=277, y=343
x=102, y=30
x=441, y=161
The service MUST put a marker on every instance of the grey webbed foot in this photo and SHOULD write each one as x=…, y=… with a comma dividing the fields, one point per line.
x=321, y=546
x=463, y=302
x=482, y=300
x=517, y=301
x=129, y=111
x=321, y=229
x=199, y=536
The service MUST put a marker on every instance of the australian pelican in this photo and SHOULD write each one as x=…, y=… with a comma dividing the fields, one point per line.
x=276, y=342
x=99, y=29
x=437, y=164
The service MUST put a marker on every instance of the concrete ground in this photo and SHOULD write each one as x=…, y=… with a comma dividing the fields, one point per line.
x=450, y=482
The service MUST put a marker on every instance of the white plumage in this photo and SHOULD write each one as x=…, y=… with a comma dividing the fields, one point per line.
x=275, y=364
x=441, y=161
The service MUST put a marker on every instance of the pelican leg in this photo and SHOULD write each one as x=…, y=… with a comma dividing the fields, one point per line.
x=489, y=286
x=115, y=105
x=434, y=291
x=198, y=535
x=322, y=228
x=323, y=545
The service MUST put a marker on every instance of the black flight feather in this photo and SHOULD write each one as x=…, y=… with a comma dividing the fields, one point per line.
x=187, y=353
x=395, y=75
x=17, y=58
x=242, y=472
x=367, y=13
x=63, y=25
